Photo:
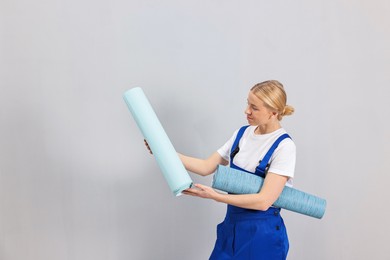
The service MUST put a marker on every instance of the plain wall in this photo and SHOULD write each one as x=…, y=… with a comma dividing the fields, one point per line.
x=76, y=181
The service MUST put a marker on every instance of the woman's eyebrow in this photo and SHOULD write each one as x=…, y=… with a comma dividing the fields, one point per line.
x=251, y=104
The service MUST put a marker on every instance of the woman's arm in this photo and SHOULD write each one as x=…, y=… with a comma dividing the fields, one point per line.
x=201, y=166
x=198, y=166
x=272, y=187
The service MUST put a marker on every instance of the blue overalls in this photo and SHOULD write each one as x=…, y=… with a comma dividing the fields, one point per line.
x=247, y=234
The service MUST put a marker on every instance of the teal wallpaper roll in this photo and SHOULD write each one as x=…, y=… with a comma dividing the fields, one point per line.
x=240, y=182
x=167, y=159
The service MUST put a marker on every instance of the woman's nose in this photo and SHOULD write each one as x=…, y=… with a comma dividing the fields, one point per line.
x=247, y=110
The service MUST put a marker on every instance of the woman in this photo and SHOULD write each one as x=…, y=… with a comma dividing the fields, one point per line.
x=252, y=228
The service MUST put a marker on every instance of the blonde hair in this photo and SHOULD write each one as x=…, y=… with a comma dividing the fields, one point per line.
x=272, y=93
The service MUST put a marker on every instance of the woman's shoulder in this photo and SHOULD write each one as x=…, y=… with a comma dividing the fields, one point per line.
x=287, y=142
x=244, y=130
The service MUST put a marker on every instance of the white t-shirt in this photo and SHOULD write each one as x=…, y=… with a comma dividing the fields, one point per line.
x=253, y=148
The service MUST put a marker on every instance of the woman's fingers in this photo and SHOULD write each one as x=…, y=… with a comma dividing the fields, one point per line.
x=200, y=190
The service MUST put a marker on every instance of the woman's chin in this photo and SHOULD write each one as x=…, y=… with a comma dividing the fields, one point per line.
x=250, y=122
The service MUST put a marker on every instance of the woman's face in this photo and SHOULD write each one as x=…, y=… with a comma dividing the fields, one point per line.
x=256, y=111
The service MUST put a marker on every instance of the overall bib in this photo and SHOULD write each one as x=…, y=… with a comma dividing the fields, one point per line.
x=247, y=234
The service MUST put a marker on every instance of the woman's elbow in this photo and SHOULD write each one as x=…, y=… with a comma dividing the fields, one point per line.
x=207, y=172
x=263, y=205
x=208, y=169
x=203, y=173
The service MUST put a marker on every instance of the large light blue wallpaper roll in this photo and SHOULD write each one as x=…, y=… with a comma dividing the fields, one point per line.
x=163, y=150
x=240, y=182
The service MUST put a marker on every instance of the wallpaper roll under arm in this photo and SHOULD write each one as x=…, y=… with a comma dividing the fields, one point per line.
x=240, y=182
x=167, y=159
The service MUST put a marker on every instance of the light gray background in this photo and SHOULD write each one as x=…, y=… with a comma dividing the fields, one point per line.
x=76, y=181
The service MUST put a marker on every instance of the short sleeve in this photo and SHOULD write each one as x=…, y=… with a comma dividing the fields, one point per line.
x=283, y=159
x=224, y=151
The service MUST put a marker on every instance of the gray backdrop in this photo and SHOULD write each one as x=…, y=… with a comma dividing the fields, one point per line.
x=76, y=181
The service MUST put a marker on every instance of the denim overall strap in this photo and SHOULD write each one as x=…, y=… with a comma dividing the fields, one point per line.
x=262, y=168
x=235, y=148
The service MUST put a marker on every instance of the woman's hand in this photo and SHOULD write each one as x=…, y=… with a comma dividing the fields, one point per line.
x=147, y=146
x=202, y=191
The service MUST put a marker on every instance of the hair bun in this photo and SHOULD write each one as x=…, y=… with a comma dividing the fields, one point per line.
x=288, y=110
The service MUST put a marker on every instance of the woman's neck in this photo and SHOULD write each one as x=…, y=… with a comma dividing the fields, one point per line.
x=266, y=129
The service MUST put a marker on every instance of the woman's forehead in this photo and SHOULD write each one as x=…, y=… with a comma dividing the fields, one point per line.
x=252, y=98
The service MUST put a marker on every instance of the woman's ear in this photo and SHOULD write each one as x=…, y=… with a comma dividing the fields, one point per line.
x=274, y=114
